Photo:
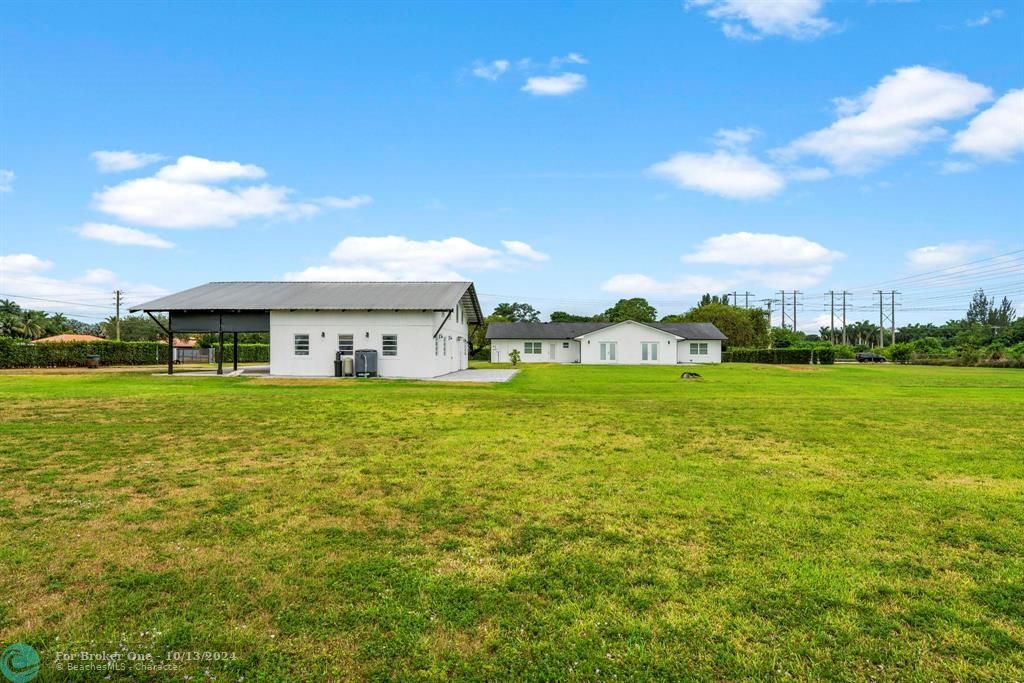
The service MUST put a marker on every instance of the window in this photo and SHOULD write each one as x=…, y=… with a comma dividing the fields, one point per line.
x=345, y=345
x=302, y=345
x=698, y=348
x=649, y=350
x=565, y=345
x=607, y=350
x=532, y=347
x=390, y=344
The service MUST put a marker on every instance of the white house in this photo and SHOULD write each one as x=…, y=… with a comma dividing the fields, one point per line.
x=418, y=329
x=625, y=343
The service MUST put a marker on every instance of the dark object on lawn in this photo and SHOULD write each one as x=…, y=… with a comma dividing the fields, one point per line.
x=92, y=361
x=868, y=357
x=690, y=375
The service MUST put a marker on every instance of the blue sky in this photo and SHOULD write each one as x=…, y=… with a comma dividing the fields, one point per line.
x=564, y=154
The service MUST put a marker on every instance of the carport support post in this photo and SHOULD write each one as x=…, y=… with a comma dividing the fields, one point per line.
x=220, y=356
x=235, y=355
x=170, y=344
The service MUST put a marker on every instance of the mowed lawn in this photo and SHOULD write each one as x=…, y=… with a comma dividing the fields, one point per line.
x=582, y=523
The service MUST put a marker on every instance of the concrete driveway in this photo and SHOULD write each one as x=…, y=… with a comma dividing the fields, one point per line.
x=477, y=376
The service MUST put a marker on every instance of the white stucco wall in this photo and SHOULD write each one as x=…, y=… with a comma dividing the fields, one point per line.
x=415, y=329
x=553, y=350
x=714, y=351
x=628, y=337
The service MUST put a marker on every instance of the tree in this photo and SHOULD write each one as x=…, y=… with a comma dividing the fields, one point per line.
x=631, y=309
x=517, y=312
x=31, y=324
x=714, y=299
x=478, y=335
x=745, y=327
x=978, y=310
x=135, y=328
x=58, y=323
x=563, y=317
x=513, y=357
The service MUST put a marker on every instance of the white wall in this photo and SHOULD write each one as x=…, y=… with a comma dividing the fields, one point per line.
x=628, y=337
x=415, y=330
x=500, y=349
x=714, y=351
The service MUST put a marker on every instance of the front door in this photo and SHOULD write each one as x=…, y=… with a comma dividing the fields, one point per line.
x=551, y=351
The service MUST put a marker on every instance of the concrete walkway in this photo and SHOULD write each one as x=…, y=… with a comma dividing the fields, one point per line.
x=477, y=376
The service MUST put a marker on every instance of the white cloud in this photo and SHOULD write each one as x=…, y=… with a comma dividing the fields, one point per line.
x=571, y=58
x=98, y=276
x=748, y=248
x=491, y=70
x=735, y=138
x=943, y=255
x=891, y=118
x=353, y=202
x=23, y=263
x=636, y=284
x=183, y=195
x=192, y=169
x=89, y=295
x=6, y=180
x=397, y=258
x=786, y=278
x=727, y=174
x=524, y=250
x=164, y=204
x=754, y=19
x=124, y=160
x=996, y=133
x=116, y=234
x=985, y=19
x=563, y=84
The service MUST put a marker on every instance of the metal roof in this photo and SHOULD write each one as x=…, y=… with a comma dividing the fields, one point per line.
x=524, y=330
x=327, y=296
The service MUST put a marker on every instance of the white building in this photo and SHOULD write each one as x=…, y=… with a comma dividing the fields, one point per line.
x=625, y=343
x=418, y=329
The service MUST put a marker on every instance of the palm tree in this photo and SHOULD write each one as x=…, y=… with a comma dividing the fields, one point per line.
x=32, y=324
x=57, y=323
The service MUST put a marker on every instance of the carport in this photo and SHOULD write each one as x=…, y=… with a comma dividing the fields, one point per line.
x=206, y=321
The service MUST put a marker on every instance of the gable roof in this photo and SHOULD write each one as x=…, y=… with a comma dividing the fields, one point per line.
x=327, y=296
x=608, y=326
x=523, y=330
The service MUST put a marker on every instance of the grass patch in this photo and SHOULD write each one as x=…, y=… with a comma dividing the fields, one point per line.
x=857, y=523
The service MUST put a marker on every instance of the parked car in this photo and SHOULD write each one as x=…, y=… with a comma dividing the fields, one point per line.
x=868, y=357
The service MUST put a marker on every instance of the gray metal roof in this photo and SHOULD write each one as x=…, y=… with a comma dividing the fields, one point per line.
x=336, y=296
x=573, y=330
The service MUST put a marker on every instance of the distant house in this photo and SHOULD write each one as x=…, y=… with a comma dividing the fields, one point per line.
x=418, y=329
x=624, y=343
x=66, y=338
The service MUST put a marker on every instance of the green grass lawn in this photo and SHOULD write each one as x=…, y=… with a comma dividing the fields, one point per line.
x=582, y=523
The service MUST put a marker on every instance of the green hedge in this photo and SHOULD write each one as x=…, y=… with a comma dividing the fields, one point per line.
x=780, y=356
x=16, y=353
x=247, y=353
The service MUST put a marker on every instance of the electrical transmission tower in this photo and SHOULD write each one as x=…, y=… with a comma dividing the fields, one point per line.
x=832, y=312
x=882, y=316
x=791, y=316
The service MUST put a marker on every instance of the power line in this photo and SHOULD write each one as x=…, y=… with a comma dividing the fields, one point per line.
x=56, y=301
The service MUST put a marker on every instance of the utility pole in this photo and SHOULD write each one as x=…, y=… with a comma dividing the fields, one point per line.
x=832, y=309
x=746, y=299
x=768, y=303
x=881, y=323
x=782, y=309
x=892, y=315
x=117, y=317
x=844, y=316
x=795, y=292
x=735, y=298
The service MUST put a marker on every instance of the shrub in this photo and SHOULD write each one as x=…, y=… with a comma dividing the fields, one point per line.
x=825, y=356
x=513, y=357
x=901, y=353
x=16, y=353
x=774, y=356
